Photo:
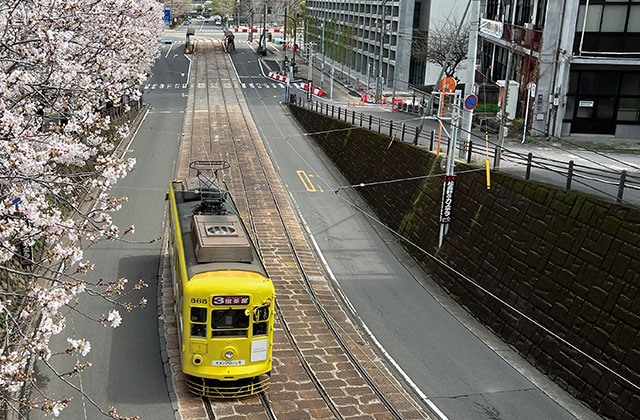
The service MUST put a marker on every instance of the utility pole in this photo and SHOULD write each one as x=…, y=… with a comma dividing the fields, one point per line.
x=310, y=53
x=382, y=29
x=322, y=68
x=332, y=73
x=503, y=110
x=472, y=51
x=264, y=29
x=295, y=23
x=284, y=64
x=250, y=37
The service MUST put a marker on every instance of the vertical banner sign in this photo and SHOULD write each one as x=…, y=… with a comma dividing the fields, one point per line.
x=167, y=17
x=447, y=198
x=310, y=91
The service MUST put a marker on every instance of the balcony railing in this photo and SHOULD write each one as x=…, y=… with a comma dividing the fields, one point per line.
x=525, y=37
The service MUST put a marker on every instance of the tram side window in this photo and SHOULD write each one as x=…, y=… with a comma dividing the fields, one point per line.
x=261, y=321
x=198, y=322
x=229, y=322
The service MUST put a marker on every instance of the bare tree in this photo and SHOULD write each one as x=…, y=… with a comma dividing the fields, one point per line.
x=434, y=45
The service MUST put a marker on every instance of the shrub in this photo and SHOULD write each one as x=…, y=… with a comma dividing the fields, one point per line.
x=487, y=107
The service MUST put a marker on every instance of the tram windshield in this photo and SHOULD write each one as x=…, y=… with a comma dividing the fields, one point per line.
x=229, y=322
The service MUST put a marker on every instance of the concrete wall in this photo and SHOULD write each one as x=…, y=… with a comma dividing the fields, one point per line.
x=569, y=261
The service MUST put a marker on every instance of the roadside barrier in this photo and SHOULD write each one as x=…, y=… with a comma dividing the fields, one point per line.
x=279, y=77
x=315, y=91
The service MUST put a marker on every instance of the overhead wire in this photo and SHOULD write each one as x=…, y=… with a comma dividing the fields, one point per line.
x=488, y=292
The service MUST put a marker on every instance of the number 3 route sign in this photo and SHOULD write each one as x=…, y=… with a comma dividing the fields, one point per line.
x=470, y=102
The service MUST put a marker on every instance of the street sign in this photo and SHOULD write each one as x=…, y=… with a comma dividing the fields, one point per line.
x=447, y=199
x=447, y=84
x=532, y=89
x=167, y=17
x=470, y=102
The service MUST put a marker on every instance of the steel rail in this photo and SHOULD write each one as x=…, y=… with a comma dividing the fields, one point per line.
x=383, y=399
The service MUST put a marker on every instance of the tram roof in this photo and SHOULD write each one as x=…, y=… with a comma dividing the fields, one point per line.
x=186, y=203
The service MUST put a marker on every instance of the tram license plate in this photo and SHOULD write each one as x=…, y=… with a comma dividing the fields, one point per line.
x=227, y=362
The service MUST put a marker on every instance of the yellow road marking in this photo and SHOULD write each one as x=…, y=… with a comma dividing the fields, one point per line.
x=306, y=181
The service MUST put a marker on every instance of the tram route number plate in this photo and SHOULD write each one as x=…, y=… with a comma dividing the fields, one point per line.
x=231, y=300
x=227, y=362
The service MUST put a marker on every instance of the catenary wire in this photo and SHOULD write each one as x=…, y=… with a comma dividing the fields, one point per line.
x=489, y=293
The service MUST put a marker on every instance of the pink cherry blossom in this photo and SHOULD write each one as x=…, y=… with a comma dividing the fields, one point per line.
x=62, y=64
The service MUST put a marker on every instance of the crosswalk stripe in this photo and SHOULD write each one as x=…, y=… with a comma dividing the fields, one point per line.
x=217, y=85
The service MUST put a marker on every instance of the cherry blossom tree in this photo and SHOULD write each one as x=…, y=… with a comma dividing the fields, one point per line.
x=62, y=63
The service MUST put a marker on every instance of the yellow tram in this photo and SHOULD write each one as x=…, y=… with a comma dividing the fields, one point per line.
x=224, y=299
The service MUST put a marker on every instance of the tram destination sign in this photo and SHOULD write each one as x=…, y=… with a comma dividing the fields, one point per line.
x=231, y=300
x=447, y=198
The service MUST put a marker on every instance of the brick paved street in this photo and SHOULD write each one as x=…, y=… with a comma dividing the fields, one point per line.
x=218, y=126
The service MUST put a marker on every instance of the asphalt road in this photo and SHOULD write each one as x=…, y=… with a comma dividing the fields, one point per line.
x=408, y=314
x=127, y=369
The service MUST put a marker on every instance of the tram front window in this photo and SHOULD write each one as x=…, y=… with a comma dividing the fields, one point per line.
x=261, y=321
x=229, y=322
x=198, y=322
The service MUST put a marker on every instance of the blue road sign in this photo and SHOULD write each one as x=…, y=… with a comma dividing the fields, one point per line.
x=470, y=102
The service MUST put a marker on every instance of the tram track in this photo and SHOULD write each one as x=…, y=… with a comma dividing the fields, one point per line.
x=257, y=190
x=325, y=396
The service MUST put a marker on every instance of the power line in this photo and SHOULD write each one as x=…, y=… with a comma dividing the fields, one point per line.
x=489, y=293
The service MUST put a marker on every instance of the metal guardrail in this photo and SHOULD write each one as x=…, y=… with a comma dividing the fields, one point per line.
x=573, y=172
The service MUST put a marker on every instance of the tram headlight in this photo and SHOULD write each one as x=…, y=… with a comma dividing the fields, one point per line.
x=228, y=354
x=197, y=359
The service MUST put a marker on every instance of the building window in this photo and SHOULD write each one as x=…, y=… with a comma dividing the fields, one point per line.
x=609, y=26
x=605, y=95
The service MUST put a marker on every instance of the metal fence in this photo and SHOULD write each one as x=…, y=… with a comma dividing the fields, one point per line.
x=590, y=177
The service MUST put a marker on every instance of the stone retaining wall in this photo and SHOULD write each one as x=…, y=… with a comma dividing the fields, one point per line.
x=569, y=261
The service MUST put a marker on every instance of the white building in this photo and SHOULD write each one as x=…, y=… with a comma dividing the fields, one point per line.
x=584, y=57
x=358, y=22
